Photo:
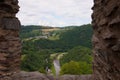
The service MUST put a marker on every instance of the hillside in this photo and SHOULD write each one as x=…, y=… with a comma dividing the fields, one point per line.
x=35, y=30
x=59, y=40
x=77, y=35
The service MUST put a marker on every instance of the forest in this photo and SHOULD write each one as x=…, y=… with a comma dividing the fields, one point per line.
x=38, y=46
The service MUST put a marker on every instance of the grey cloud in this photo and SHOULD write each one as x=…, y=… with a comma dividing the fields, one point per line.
x=55, y=12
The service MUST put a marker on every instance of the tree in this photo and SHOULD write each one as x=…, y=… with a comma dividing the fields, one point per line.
x=78, y=53
x=76, y=68
x=85, y=68
x=70, y=68
x=36, y=61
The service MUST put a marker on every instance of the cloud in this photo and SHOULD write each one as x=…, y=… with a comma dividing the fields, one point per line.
x=55, y=12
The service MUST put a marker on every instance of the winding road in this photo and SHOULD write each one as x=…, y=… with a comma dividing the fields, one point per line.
x=57, y=66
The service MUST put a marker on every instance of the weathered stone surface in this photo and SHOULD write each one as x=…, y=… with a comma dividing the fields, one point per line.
x=11, y=23
x=38, y=76
x=106, y=43
x=9, y=6
x=10, y=45
x=29, y=76
x=106, y=39
x=75, y=77
x=10, y=50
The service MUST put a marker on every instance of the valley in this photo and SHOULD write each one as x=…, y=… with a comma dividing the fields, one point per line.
x=40, y=42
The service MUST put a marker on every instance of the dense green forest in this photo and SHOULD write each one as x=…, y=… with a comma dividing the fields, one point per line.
x=30, y=31
x=68, y=38
x=78, y=55
x=36, y=61
x=73, y=40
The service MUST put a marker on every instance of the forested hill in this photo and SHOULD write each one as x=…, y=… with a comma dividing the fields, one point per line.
x=40, y=42
x=35, y=30
x=58, y=39
x=78, y=35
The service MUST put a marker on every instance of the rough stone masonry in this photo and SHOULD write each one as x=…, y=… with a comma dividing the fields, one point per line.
x=106, y=39
x=10, y=45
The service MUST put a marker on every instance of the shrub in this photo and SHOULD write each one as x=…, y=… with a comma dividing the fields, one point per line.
x=70, y=68
x=76, y=68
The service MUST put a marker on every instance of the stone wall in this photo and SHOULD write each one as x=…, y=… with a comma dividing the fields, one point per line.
x=75, y=77
x=39, y=76
x=10, y=45
x=106, y=39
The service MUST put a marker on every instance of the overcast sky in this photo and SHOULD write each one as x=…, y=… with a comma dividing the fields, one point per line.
x=55, y=12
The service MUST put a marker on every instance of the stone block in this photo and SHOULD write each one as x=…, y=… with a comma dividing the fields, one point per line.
x=11, y=23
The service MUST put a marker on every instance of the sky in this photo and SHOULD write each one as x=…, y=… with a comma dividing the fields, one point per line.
x=56, y=13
